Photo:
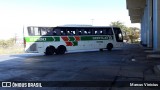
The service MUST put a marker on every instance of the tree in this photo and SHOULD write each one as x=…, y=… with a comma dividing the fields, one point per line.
x=134, y=33
x=7, y=43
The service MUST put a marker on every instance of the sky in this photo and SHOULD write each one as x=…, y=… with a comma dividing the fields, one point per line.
x=14, y=14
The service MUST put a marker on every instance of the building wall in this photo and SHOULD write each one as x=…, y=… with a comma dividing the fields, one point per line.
x=148, y=12
x=156, y=26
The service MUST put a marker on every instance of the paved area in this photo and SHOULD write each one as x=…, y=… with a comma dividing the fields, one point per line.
x=118, y=68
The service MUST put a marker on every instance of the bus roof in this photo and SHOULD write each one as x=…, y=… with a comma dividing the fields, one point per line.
x=76, y=26
x=87, y=26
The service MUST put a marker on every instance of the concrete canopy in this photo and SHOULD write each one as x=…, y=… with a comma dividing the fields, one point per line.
x=135, y=19
x=136, y=9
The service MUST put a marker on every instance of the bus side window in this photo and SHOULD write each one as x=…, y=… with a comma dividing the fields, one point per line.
x=76, y=32
x=63, y=32
x=43, y=32
x=33, y=31
x=49, y=31
x=101, y=32
x=94, y=32
x=104, y=31
x=81, y=31
x=109, y=31
x=30, y=31
x=37, y=31
x=97, y=32
x=54, y=32
x=85, y=32
x=90, y=32
x=71, y=31
x=58, y=31
x=68, y=33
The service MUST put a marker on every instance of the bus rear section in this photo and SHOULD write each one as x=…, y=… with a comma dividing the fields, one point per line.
x=33, y=40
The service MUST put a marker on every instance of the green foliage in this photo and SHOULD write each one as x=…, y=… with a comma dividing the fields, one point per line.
x=120, y=25
x=7, y=43
x=129, y=33
x=9, y=47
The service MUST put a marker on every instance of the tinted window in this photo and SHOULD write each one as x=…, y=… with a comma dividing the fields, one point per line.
x=96, y=31
x=43, y=31
x=109, y=31
x=87, y=31
x=48, y=31
x=63, y=31
x=33, y=31
x=71, y=31
x=118, y=34
x=102, y=31
x=80, y=31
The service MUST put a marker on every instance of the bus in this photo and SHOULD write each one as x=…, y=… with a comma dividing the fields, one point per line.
x=60, y=39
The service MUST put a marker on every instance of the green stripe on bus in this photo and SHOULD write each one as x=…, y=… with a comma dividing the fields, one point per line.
x=83, y=38
x=57, y=38
x=71, y=39
x=75, y=43
x=41, y=39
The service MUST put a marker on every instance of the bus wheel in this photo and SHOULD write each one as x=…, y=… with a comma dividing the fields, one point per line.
x=50, y=50
x=109, y=46
x=61, y=49
x=101, y=50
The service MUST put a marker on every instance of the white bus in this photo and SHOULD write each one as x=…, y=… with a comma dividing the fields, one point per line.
x=58, y=40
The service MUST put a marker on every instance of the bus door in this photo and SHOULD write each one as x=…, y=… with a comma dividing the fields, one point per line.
x=118, y=34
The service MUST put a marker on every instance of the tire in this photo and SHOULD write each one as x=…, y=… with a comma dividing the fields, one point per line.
x=50, y=50
x=101, y=50
x=61, y=50
x=109, y=46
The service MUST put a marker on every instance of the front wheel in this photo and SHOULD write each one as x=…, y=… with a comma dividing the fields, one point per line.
x=109, y=46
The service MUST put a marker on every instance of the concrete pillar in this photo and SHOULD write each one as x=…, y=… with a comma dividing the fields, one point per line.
x=146, y=25
x=144, y=28
x=149, y=23
x=156, y=25
x=141, y=31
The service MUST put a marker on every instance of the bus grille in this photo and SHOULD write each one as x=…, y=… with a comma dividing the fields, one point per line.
x=33, y=47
